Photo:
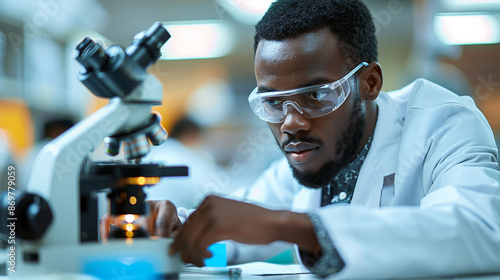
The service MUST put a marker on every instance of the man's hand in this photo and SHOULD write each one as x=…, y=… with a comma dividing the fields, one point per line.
x=162, y=220
x=220, y=219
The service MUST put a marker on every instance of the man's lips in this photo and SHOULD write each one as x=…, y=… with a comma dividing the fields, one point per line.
x=300, y=152
x=300, y=147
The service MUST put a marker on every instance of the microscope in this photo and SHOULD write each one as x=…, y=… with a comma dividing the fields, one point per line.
x=56, y=218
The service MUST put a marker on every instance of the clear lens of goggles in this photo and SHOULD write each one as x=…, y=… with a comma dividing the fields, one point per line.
x=312, y=102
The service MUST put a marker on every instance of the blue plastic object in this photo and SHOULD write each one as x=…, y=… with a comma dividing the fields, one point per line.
x=219, y=257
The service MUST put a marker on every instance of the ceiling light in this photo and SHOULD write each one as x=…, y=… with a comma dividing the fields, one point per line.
x=197, y=40
x=246, y=11
x=467, y=29
x=470, y=2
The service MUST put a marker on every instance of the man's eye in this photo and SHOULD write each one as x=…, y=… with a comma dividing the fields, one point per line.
x=272, y=102
x=318, y=95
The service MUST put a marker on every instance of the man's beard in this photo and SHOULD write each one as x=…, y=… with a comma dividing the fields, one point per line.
x=347, y=147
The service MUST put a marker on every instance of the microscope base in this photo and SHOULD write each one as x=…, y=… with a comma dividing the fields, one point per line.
x=146, y=258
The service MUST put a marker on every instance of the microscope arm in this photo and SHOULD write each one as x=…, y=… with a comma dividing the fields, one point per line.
x=57, y=168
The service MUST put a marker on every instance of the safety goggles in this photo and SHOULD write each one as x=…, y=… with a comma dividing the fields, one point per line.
x=312, y=102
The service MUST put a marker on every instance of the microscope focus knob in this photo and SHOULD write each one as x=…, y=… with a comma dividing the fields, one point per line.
x=156, y=133
x=136, y=146
x=32, y=215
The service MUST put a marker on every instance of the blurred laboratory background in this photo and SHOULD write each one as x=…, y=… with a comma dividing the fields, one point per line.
x=207, y=69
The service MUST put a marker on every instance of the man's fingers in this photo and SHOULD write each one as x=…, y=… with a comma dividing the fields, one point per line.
x=189, y=233
x=193, y=254
x=192, y=258
x=151, y=219
x=163, y=218
x=191, y=239
x=104, y=224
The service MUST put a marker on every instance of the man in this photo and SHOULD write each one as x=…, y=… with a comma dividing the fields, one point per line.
x=417, y=167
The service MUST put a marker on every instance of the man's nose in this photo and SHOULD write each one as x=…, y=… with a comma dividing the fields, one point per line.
x=294, y=121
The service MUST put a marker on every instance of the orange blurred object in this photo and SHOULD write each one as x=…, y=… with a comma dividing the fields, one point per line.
x=15, y=120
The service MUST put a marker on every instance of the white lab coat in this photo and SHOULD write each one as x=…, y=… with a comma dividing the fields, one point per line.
x=427, y=200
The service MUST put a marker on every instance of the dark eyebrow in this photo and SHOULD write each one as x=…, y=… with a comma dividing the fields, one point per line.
x=317, y=81
x=265, y=89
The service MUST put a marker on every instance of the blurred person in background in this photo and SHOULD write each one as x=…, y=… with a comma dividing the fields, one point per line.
x=181, y=148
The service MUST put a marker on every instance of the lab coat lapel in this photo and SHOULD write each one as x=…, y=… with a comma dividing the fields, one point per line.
x=381, y=161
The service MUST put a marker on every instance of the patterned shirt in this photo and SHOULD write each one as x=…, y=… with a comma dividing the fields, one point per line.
x=342, y=186
x=340, y=191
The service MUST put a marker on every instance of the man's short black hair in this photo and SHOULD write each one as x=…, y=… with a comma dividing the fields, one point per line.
x=350, y=20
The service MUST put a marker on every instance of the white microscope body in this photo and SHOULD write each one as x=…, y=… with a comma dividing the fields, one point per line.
x=62, y=242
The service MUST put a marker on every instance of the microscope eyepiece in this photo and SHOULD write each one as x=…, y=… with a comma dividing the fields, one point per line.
x=82, y=45
x=146, y=46
x=91, y=55
x=115, y=71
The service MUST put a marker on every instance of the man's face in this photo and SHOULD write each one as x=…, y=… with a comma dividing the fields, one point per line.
x=316, y=148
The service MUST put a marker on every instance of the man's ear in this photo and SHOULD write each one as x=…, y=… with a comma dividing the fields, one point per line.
x=371, y=81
